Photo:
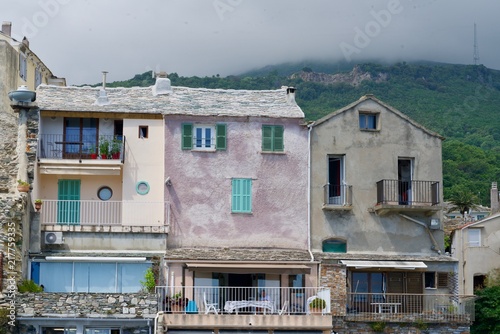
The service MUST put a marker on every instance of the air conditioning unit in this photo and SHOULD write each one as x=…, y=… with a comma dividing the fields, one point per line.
x=53, y=238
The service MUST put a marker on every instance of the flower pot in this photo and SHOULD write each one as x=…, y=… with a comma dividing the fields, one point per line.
x=115, y=156
x=104, y=156
x=93, y=155
x=23, y=188
x=38, y=206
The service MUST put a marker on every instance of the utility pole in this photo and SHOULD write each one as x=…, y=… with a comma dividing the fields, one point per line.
x=476, y=48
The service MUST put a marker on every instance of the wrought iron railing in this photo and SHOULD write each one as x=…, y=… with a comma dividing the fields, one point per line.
x=97, y=213
x=337, y=194
x=401, y=307
x=58, y=147
x=408, y=192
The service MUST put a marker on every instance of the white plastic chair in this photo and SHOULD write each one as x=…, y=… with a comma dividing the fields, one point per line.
x=284, y=308
x=209, y=307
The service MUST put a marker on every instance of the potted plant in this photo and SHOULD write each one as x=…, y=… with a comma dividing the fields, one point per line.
x=38, y=204
x=317, y=305
x=104, y=147
x=93, y=153
x=23, y=186
x=116, y=146
x=177, y=303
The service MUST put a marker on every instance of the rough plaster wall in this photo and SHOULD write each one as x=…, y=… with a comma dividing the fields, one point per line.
x=371, y=156
x=200, y=194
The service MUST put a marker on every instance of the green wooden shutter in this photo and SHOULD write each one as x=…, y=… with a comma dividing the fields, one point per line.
x=278, y=139
x=187, y=136
x=220, y=130
x=241, y=195
x=267, y=138
x=68, y=205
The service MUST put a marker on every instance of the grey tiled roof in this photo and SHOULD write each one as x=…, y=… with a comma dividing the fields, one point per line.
x=182, y=101
x=382, y=257
x=232, y=254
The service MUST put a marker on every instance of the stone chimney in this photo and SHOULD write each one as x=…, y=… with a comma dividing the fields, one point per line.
x=162, y=85
x=7, y=28
x=494, y=197
x=290, y=94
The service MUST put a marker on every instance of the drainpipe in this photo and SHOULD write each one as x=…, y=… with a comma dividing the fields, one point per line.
x=309, y=191
x=435, y=244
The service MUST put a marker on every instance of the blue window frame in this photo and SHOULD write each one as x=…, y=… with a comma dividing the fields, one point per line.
x=241, y=201
x=368, y=121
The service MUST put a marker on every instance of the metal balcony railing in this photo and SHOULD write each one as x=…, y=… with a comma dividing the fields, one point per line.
x=408, y=192
x=97, y=213
x=58, y=147
x=241, y=300
x=337, y=194
x=400, y=307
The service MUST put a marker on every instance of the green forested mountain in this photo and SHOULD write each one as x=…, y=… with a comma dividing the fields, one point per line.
x=460, y=102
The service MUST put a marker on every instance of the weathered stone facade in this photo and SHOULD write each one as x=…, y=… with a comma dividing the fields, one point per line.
x=126, y=305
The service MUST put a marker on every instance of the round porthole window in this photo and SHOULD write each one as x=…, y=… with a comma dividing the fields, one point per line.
x=142, y=187
x=104, y=193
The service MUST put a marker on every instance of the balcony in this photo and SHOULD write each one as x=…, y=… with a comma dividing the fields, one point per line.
x=337, y=197
x=407, y=196
x=57, y=151
x=409, y=308
x=208, y=307
x=73, y=213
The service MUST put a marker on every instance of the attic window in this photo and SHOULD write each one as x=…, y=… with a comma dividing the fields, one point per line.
x=368, y=120
x=143, y=131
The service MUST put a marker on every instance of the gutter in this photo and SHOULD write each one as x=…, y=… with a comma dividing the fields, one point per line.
x=433, y=240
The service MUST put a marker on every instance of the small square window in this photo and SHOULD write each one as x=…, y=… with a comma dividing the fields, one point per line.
x=430, y=280
x=143, y=131
x=368, y=121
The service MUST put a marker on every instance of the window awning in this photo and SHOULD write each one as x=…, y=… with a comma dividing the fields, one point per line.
x=80, y=170
x=409, y=265
x=249, y=268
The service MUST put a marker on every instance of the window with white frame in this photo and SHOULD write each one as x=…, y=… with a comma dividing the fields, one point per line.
x=368, y=121
x=203, y=137
x=474, y=237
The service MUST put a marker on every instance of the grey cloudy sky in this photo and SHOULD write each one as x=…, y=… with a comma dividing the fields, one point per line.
x=77, y=39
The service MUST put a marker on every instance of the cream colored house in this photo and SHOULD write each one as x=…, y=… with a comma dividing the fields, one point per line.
x=477, y=247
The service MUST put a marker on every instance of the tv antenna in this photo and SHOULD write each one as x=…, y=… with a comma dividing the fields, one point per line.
x=476, y=48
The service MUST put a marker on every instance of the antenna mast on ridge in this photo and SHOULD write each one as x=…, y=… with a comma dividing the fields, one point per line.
x=476, y=49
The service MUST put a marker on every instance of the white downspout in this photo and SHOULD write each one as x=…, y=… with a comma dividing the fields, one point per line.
x=433, y=240
x=309, y=191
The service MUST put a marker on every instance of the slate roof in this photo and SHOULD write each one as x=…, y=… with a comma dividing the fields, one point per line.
x=182, y=101
x=232, y=254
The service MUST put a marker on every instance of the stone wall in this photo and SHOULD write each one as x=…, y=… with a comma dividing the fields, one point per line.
x=333, y=276
x=125, y=305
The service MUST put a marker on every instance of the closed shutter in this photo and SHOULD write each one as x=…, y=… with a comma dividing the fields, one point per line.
x=414, y=288
x=278, y=144
x=220, y=130
x=187, y=136
x=241, y=195
x=267, y=138
x=68, y=205
x=442, y=280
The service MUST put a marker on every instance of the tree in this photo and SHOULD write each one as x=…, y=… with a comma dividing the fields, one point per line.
x=462, y=201
x=487, y=306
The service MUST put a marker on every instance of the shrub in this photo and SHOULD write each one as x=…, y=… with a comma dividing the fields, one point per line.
x=28, y=285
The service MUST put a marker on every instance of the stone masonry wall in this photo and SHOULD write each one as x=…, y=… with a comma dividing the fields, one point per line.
x=125, y=305
x=333, y=276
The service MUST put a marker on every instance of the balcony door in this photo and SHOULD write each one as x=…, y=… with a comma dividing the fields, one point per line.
x=68, y=205
x=336, y=181
x=80, y=137
x=405, y=176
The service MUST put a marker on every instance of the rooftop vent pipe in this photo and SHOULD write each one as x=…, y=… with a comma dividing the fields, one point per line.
x=290, y=94
x=102, y=99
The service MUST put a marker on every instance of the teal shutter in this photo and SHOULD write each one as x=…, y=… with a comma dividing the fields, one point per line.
x=241, y=195
x=68, y=205
x=278, y=138
x=267, y=138
x=220, y=130
x=187, y=136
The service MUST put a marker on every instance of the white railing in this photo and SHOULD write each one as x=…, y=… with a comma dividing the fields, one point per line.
x=100, y=213
x=404, y=307
x=241, y=300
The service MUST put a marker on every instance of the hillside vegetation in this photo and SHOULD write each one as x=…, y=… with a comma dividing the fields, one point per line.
x=460, y=102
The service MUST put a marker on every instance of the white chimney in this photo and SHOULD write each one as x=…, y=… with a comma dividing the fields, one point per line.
x=290, y=94
x=102, y=99
x=494, y=198
x=7, y=28
x=162, y=85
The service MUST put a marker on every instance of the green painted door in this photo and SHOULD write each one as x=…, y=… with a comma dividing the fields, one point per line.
x=68, y=205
